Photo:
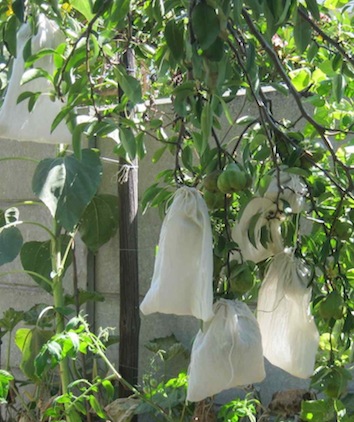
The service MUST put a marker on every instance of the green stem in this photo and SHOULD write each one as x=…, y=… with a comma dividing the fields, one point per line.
x=58, y=299
x=9, y=352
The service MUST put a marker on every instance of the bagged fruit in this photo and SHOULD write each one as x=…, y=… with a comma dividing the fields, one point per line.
x=16, y=121
x=182, y=282
x=289, y=334
x=227, y=352
x=258, y=231
x=290, y=188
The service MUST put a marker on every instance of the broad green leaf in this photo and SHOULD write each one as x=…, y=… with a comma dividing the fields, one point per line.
x=300, y=78
x=158, y=154
x=174, y=34
x=251, y=228
x=237, y=10
x=30, y=342
x=205, y=24
x=31, y=59
x=10, y=244
x=63, y=113
x=187, y=158
x=25, y=95
x=10, y=35
x=107, y=385
x=35, y=73
x=226, y=111
x=67, y=185
x=96, y=407
x=317, y=410
x=99, y=222
x=32, y=101
x=312, y=6
x=130, y=86
x=127, y=139
x=338, y=86
x=302, y=32
x=312, y=51
x=18, y=7
x=5, y=379
x=149, y=195
x=36, y=258
x=84, y=7
x=119, y=13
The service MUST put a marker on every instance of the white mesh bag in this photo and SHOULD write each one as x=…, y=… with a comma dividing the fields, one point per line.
x=226, y=353
x=289, y=334
x=261, y=240
x=16, y=122
x=182, y=282
x=292, y=190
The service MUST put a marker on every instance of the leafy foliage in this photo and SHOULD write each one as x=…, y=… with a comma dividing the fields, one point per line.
x=202, y=55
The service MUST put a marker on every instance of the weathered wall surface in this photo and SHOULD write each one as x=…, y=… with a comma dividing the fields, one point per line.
x=20, y=292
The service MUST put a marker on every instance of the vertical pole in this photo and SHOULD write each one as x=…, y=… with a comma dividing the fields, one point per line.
x=129, y=322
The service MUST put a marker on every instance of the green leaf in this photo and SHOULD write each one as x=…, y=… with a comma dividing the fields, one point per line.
x=187, y=158
x=96, y=407
x=174, y=34
x=107, y=385
x=30, y=342
x=118, y=14
x=63, y=113
x=205, y=24
x=206, y=125
x=99, y=222
x=338, y=86
x=10, y=35
x=251, y=228
x=158, y=154
x=67, y=185
x=312, y=6
x=5, y=379
x=84, y=7
x=317, y=410
x=300, y=78
x=127, y=139
x=25, y=95
x=35, y=73
x=149, y=195
x=36, y=257
x=19, y=10
x=130, y=86
x=32, y=58
x=10, y=244
x=302, y=32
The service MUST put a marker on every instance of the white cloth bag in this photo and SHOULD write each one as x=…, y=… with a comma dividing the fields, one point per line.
x=290, y=188
x=16, y=122
x=182, y=282
x=241, y=233
x=226, y=353
x=289, y=334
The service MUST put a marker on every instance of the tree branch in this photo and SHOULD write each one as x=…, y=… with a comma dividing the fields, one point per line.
x=326, y=37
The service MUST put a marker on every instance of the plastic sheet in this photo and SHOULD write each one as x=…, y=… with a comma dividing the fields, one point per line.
x=226, y=353
x=258, y=231
x=289, y=334
x=292, y=190
x=16, y=122
x=182, y=282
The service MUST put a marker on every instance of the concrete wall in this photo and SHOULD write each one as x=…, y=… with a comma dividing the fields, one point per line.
x=20, y=292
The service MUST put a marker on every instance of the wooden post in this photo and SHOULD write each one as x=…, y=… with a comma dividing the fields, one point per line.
x=129, y=323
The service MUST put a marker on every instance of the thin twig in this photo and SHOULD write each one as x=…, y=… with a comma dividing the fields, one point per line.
x=326, y=37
